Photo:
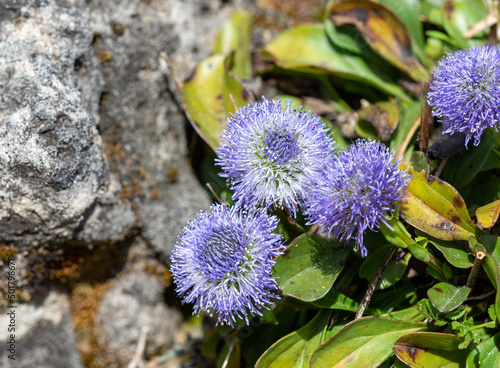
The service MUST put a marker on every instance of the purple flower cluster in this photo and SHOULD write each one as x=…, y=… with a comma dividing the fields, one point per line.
x=356, y=190
x=271, y=153
x=274, y=155
x=465, y=92
x=222, y=262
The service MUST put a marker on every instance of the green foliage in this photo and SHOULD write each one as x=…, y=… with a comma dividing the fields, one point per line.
x=437, y=301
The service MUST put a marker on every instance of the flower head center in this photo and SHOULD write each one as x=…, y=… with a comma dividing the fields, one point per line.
x=280, y=146
x=225, y=255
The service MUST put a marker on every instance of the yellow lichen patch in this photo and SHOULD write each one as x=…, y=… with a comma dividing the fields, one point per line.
x=69, y=270
x=153, y=193
x=84, y=301
x=103, y=56
x=167, y=277
x=6, y=252
x=172, y=175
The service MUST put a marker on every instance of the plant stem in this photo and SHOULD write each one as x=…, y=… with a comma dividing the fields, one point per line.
x=476, y=267
x=366, y=300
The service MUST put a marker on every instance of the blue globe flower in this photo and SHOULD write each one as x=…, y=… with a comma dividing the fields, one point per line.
x=270, y=154
x=465, y=92
x=357, y=189
x=222, y=262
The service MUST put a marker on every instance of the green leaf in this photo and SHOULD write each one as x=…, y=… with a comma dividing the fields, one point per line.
x=383, y=31
x=493, y=160
x=235, y=37
x=491, y=266
x=207, y=98
x=335, y=300
x=409, y=114
x=432, y=10
x=419, y=161
x=446, y=297
x=430, y=350
x=307, y=48
x=463, y=167
x=295, y=349
x=393, y=272
x=366, y=342
x=487, y=215
x=453, y=251
x=407, y=314
x=486, y=354
x=436, y=208
x=344, y=37
x=309, y=267
x=459, y=16
x=492, y=245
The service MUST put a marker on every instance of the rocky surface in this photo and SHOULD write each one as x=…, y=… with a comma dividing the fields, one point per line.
x=44, y=334
x=140, y=121
x=93, y=153
x=52, y=168
x=133, y=301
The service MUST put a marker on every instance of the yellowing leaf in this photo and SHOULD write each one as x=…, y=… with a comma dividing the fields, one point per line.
x=487, y=215
x=235, y=37
x=436, y=208
x=207, y=96
x=383, y=30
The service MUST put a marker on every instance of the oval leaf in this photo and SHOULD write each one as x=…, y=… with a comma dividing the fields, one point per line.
x=366, y=342
x=430, y=350
x=235, y=37
x=446, y=297
x=453, y=251
x=487, y=215
x=486, y=354
x=307, y=48
x=436, y=208
x=383, y=30
x=309, y=267
x=295, y=349
x=207, y=98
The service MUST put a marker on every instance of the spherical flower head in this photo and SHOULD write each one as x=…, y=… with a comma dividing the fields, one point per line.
x=270, y=154
x=465, y=91
x=222, y=262
x=354, y=193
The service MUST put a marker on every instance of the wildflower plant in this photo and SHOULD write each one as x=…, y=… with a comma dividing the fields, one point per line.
x=271, y=152
x=465, y=91
x=353, y=223
x=356, y=190
x=222, y=262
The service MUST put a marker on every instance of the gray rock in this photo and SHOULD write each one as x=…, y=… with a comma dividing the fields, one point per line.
x=52, y=167
x=134, y=301
x=139, y=114
x=43, y=333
